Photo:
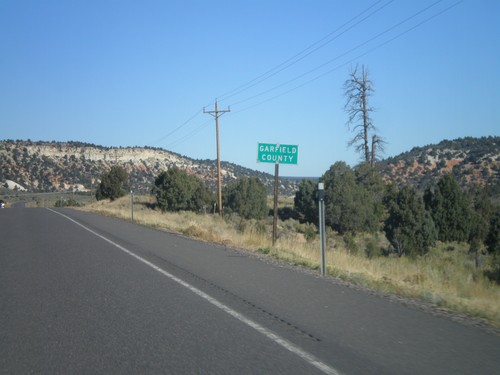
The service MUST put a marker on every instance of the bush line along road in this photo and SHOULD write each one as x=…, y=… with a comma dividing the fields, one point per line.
x=83, y=293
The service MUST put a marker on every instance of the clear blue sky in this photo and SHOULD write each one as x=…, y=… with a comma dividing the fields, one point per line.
x=136, y=73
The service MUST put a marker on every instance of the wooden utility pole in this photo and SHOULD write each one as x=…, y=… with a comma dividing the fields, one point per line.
x=216, y=114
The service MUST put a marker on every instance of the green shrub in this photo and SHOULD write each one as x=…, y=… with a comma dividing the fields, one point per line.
x=372, y=250
x=71, y=202
x=114, y=184
x=175, y=190
x=247, y=197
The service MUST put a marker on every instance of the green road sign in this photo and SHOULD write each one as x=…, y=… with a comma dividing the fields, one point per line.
x=277, y=153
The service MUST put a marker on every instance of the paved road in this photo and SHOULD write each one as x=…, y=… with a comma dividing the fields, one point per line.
x=84, y=294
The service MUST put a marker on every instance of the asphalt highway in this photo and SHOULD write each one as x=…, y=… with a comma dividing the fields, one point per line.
x=85, y=294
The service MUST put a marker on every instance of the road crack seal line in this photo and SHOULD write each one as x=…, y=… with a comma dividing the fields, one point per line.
x=250, y=304
x=270, y=315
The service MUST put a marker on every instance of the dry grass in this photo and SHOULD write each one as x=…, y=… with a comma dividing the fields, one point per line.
x=446, y=277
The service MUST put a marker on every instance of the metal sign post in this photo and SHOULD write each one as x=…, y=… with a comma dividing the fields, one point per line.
x=275, y=216
x=322, y=234
x=278, y=154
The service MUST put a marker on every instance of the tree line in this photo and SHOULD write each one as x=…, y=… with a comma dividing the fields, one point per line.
x=176, y=190
x=356, y=200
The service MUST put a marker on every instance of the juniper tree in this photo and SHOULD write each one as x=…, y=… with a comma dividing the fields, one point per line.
x=493, y=237
x=175, y=190
x=408, y=226
x=305, y=201
x=114, y=184
x=450, y=208
x=247, y=197
x=349, y=206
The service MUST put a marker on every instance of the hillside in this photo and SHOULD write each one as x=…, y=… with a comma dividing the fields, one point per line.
x=472, y=161
x=75, y=166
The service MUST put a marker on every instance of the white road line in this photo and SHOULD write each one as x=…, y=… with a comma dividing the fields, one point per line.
x=309, y=358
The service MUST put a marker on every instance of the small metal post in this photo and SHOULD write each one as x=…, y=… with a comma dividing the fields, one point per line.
x=132, y=205
x=322, y=234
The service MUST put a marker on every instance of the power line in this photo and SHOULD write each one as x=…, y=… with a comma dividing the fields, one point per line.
x=195, y=131
x=179, y=127
x=284, y=65
x=302, y=54
x=350, y=61
x=338, y=56
x=188, y=136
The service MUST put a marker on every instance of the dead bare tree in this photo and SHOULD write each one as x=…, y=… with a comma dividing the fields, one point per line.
x=378, y=147
x=358, y=88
